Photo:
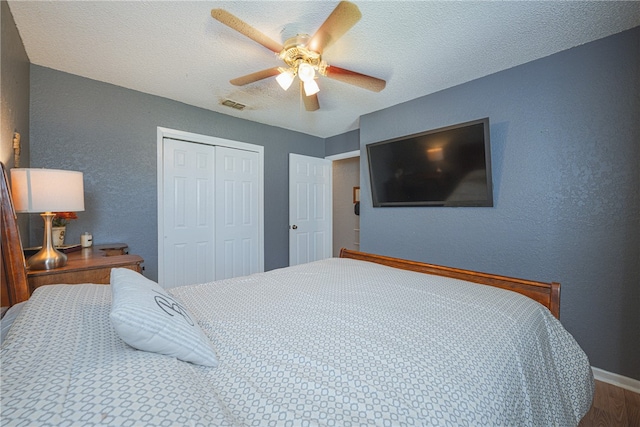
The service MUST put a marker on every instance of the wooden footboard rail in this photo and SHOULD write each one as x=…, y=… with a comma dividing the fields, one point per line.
x=547, y=294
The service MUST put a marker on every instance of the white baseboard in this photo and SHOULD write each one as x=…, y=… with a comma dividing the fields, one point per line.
x=616, y=380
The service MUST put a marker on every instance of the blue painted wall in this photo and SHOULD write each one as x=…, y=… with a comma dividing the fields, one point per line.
x=110, y=133
x=343, y=143
x=14, y=90
x=565, y=136
x=14, y=97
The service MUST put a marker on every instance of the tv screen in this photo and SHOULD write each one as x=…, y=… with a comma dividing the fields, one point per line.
x=449, y=166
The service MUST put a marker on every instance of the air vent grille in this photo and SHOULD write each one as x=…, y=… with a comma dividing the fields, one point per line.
x=233, y=104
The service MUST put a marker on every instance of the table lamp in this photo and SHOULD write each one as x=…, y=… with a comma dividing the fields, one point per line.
x=47, y=191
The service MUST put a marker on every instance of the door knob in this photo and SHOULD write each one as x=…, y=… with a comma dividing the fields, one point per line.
x=295, y=227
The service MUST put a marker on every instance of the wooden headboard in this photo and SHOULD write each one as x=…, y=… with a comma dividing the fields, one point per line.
x=547, y=294
x=15, y=287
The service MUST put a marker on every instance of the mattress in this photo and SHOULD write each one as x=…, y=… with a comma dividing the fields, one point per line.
x=335, y=342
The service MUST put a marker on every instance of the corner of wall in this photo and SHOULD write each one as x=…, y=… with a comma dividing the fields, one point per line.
x=14, y=99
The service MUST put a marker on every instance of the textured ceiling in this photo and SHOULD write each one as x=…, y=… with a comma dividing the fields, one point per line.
x=174, y=49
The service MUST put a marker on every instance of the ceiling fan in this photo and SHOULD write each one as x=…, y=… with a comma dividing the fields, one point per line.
x=302, y=54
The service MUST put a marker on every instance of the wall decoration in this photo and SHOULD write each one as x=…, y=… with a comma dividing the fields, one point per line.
x=16, y=150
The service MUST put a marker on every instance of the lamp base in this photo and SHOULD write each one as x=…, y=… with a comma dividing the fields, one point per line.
x=48, y=257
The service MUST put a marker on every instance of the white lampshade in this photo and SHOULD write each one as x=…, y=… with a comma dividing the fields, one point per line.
x=311, y=87
x=47, y=190
x=306, y=72
x=285, y=79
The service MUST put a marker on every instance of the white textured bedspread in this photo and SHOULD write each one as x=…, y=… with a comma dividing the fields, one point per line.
x=337, y=342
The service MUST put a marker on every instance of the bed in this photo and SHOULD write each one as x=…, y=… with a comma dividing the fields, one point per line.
x=358, y=340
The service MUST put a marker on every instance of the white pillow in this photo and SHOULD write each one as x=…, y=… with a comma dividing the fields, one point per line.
x=146, y=317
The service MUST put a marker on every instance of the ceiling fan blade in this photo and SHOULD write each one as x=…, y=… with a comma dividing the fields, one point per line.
x=310, y=102
x=242, y=27
x=254, y=77
x=343, y=17
x=367, y=82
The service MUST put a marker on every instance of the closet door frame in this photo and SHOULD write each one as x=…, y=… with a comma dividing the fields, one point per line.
x=162, y=133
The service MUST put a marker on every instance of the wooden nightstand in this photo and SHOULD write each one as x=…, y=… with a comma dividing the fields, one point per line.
x=88, y=265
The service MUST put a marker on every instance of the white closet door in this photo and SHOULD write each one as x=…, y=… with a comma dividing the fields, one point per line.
x=236, y=211
x=210, y=208
x=188, y=212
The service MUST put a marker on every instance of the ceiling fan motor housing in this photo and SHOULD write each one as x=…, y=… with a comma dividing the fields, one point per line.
x=295, y=52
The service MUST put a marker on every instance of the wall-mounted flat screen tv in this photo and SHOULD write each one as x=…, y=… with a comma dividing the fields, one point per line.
x=450, y=166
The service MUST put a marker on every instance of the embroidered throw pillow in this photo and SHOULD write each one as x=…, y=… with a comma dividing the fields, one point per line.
x=146, y=317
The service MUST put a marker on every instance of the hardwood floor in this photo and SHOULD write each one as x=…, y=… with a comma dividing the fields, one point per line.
x=612, y=407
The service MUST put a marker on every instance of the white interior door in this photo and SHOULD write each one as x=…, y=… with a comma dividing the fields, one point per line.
x=189, y=232
x=236, y=213
x=310, y=209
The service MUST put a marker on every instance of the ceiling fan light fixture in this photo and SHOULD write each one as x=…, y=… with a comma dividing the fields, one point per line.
x=302, y=54
x=306, y=72
x=311, y=87
x=285, y=78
